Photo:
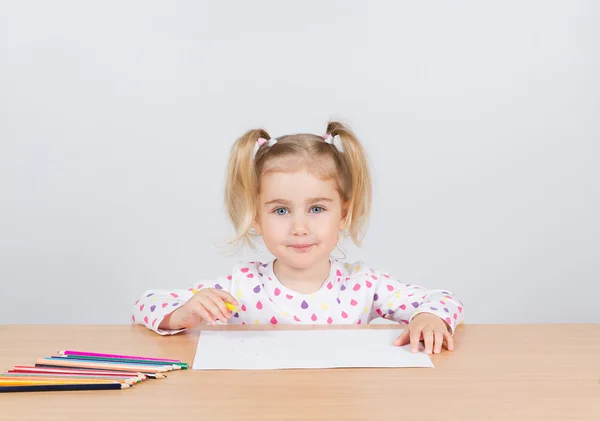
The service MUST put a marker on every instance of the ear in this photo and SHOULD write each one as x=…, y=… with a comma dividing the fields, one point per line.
x=343, y=220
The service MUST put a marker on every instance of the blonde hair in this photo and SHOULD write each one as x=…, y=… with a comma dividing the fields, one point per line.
x=348, y=168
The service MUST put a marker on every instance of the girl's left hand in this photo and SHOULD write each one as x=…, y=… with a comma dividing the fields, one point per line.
x=430, y=329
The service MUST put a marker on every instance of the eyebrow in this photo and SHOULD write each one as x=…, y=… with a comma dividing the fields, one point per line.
x=287, y=202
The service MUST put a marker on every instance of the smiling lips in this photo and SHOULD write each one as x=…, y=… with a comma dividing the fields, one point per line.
x=301, y=247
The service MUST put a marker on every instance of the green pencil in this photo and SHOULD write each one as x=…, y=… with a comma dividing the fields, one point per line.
x=183, y=365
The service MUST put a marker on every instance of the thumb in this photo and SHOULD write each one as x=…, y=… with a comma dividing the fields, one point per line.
x=403, y=339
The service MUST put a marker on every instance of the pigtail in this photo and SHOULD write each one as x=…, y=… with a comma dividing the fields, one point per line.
x=241, y=189
x=361, y=193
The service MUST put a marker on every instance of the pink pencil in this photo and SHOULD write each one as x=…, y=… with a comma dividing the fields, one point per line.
x=25, y=369
x=93, y=354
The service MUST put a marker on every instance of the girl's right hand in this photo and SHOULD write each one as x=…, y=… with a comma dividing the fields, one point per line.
x=206, y=306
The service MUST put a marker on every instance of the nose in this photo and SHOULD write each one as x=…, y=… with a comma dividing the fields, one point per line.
x=300, y=224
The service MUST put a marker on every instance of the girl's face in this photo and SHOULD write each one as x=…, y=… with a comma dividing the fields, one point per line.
x=299, y=217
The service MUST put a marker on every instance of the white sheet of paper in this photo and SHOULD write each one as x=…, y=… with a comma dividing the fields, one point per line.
x=279, y=349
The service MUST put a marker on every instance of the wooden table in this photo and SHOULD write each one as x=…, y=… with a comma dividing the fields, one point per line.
x=497, y=372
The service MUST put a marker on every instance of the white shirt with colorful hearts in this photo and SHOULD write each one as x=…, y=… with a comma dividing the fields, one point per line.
x=352, y=294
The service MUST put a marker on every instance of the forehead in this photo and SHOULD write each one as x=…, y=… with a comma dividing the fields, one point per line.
x=296, y=186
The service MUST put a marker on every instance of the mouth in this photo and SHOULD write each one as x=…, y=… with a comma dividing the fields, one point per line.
x=301, y=247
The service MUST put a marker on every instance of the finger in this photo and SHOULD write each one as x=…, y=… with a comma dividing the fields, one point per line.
x=403, y=339
x=415, y=338
x=438, y=341
x=428, y=339
x=227, y=297
x=198, y=310
x=212, y=308
x=224, y=312
x=449, y=341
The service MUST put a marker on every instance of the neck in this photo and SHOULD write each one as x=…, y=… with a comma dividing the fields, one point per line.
x=303, y=280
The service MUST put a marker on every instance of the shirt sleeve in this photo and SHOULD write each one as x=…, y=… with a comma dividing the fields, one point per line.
x=402, y=302
x=155, y=304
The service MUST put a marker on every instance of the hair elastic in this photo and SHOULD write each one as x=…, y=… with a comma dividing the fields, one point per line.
x=334, y=140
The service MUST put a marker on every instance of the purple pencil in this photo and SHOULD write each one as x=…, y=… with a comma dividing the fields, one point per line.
x=130, y=357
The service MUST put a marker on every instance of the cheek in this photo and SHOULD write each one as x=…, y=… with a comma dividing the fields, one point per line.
x=328, y=227
x=274, y=227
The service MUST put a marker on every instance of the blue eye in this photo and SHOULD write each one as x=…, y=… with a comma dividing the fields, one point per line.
x=281, y=211
x=317, y=209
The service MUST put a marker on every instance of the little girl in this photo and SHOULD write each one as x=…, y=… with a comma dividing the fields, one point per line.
x=300, y=193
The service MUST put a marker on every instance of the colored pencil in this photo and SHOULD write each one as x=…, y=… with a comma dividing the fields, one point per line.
x=101, y=366
x=21, y=382
x=129, y=357
x=71, y=366
x=147, y=374
x=183, y=366
x=126, y=362
x=58, y=365
x=128, y=376
x=16, y=376
x=75, y=371
x=63, y=387
x=168, y=367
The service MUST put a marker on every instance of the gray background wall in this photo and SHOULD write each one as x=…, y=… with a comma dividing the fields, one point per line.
x=481, y=120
